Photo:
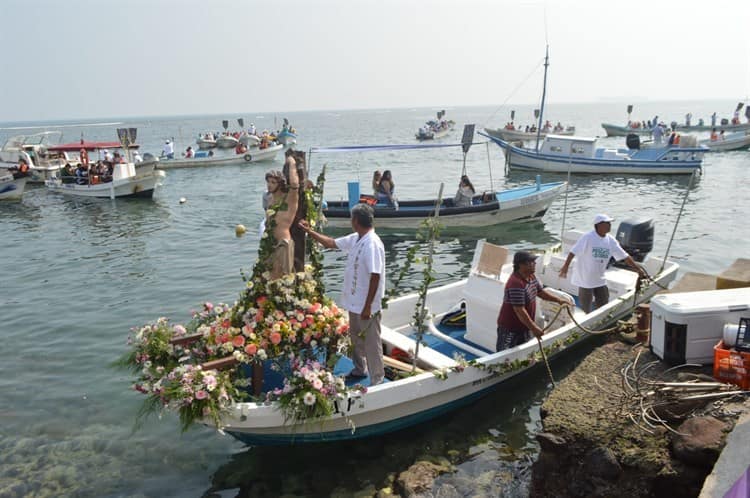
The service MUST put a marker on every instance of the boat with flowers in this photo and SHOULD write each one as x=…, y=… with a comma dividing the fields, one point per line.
x=433, y=368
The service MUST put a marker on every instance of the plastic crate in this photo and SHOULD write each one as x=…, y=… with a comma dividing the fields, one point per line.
x=743, y=335
x=732, y=366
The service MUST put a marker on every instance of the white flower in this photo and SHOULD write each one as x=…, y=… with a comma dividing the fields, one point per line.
x=309, y=398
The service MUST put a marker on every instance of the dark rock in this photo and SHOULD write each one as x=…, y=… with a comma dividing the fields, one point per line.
x=418, y=478
x=699, y=441
x=601, y=462
x=551, y=442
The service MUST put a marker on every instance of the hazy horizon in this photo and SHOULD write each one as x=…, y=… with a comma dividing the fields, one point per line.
x=81, y=60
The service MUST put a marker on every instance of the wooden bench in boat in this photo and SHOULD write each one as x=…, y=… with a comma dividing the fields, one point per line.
x=428, y=357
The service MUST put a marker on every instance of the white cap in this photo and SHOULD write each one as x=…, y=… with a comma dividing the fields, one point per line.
x=602, y=218
x=166, y=142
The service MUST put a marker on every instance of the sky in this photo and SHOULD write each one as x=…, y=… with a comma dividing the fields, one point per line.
x=67, y=59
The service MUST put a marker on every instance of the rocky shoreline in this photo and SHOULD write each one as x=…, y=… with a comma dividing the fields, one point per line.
x=593, y=444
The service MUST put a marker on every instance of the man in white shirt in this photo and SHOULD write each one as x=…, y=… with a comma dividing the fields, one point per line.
x=593, y=251
x=168, y=150
x=363, y=289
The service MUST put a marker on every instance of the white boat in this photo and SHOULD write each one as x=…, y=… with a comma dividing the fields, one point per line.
x=206, y=142
x=522, y=203
x=523, y=136
x=34, y=149
x=572, y=154
x=227, y=142
x=449, y=382
x=614, y=130
x=563, y=154
x=11, y=188
x=128, y=180
x=731, y=141
x=253, y=155
x=250, y=140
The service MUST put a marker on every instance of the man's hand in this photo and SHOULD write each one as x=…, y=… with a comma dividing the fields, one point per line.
x=564, y=272
x=304, y=225
x=366, y=313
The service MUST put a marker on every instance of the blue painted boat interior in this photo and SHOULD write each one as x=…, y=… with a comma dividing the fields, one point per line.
x=449, y=350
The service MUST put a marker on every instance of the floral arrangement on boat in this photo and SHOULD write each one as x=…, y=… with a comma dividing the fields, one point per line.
x=197, y=369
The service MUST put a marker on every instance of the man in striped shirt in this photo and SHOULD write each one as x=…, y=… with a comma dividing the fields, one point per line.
x=516, y=316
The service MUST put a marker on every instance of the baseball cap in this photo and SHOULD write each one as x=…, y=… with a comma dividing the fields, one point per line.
x=523, y=257
x=602, y=218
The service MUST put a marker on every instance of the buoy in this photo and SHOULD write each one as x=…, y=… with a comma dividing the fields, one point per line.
x=183, y=200
x=240, y=230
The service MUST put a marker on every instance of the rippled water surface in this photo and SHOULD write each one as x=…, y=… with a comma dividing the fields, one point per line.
x=79, y=273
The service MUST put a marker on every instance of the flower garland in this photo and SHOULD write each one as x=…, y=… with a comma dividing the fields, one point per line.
x=288, y=320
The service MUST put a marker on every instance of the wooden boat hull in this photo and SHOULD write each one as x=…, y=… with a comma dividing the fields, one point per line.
x=525, y=203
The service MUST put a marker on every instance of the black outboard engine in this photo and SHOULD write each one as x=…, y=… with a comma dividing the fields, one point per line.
x=633, y=141
x=636, y=236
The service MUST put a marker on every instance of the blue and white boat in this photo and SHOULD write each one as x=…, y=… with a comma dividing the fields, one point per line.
x=563, y=154
x=457, y=364
x=488, y=208
x=286, y=137
x=11, y=188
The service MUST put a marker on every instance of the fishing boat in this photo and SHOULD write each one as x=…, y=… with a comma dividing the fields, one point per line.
x=516, y=204
x=573, y=154
x=249, y=140
x=204, y=158
x=206, y=141
x=454, y=365
x=728, y=142
x=435, y=128
x=614, y=130
x=127, y=180
x=286, y=137
x=227, y=142
x=563, y=154
x=488, y=208
x=524, y=136
x=34, y=149
x=11, y=188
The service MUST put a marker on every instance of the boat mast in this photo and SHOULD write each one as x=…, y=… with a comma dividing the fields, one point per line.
x=544, y=96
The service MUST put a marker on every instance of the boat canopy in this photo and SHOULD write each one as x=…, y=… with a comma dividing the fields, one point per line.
x=76, y=146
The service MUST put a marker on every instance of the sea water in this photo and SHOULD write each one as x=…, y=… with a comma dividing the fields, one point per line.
x=79, y=273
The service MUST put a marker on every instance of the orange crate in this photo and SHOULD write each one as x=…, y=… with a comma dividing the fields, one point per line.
x=732, y=366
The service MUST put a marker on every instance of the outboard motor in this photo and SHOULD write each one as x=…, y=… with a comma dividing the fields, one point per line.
x=636, y=236
x=633, y=141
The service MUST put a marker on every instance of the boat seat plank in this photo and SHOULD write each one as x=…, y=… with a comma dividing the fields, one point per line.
x=427, y=355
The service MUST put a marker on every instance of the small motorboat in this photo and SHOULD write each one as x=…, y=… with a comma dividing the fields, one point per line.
x=11, y=188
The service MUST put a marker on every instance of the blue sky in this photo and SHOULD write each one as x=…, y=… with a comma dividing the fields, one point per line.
x=67, y=59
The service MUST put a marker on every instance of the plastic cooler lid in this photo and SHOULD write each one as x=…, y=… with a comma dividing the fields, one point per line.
x=704, y=301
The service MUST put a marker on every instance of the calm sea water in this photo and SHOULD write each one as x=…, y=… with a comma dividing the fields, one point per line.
x=78, y=274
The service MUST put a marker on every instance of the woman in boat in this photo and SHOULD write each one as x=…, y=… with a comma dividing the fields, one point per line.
x=714, y=135
x=386, y=189
x=376, y=176
x=465, y=193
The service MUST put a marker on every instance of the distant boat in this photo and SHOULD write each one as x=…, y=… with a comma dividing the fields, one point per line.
x=562, y=154
x=731, y=141
x=435, y=128
x=227, y=142
x=203, y=159
x=614, y=130
x=623, y=131
x=516, y=135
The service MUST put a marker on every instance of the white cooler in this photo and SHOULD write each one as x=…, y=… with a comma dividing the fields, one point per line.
x=685, y=326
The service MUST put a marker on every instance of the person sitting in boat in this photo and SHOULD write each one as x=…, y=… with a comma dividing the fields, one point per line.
x=168, y=150
x=137, y=157
x=714, y=135
x=532, y=129
x=736, y=117
x=21, y=170
x=106, y=155
x=252, y=130
x=547, y=127
x=82, y=174
x=558, y=127
x=67, y=173
x=721, y=135
x=117, y=159
x=465, y=193
x=264, y=142
x=189, y=152
x=240, y=149
x=376, y=176
x=386, y=189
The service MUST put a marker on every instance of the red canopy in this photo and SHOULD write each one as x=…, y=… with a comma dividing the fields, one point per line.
x=76, y=146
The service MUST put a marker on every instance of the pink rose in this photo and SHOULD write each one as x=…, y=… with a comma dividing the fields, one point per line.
x=238, y=341
x=275, y=338
x=201, y=394
x=208, y=306
x=251, y=349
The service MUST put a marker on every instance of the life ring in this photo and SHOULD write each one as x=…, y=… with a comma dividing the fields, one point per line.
x=248, y=157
